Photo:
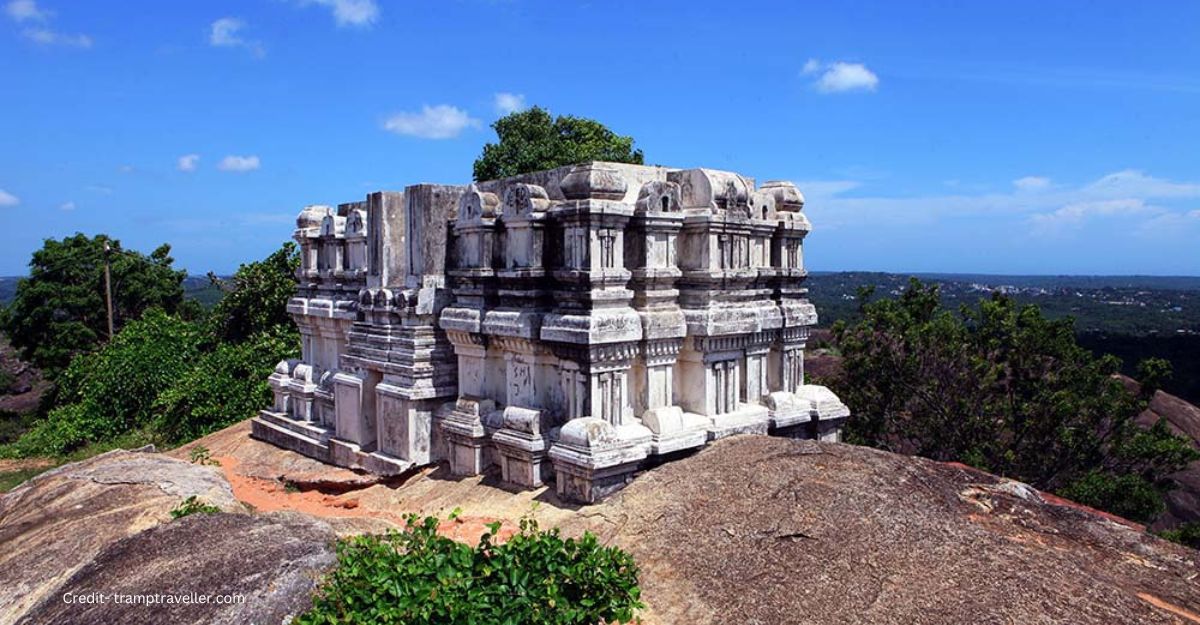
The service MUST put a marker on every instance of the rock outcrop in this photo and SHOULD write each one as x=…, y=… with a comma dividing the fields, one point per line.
x=750, y=530
x=104, y=525
x=765, y=530
x=1183, y=418
x=232, y=568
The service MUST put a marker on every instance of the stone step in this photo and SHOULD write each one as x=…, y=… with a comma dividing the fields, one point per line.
x=313, y=431
x=264, y=430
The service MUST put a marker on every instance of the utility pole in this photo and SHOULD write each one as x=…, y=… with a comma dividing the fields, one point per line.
x=108, y=290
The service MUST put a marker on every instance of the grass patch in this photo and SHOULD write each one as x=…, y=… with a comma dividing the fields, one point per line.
x=192, y=505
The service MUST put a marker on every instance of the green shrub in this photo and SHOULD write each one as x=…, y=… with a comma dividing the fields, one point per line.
x=1129, y=496
x=224, y=386
x=111, y=392
x=416, y=576
x=7, y=382
x=192, y=505
x=201, y=455
x=122, y=380
x=1186, y=534
x=1003, y=388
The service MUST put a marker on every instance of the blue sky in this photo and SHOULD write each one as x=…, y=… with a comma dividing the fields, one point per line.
x=1004, y=137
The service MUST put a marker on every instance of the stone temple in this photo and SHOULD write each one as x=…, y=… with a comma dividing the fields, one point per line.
x=575, y=325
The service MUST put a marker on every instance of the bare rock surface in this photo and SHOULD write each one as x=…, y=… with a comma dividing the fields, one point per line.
x=759, y=530
x=104, y=526
x=751, y=530
x=57, y=522
x=202, y=569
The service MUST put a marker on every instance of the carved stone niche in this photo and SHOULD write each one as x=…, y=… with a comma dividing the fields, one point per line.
x=475, y=205
x=522, y=200
x=525, y=208
x=658, y=196
x=475, y=238
x=356, y=223
x=711, y=190
x=762, y=205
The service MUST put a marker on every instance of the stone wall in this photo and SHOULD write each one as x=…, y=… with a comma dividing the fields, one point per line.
x=573, y=324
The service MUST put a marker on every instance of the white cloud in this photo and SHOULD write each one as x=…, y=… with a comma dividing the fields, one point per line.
x=350, y=12
x=8, y=199
x=1075, y=214
x=509, y=103
x=127, y=169
x=238, y=163
x=187, y=162
x=839, y=76
x=1171, y=225
x=67, y=206
x=26, y=11
x=99, y=189
x=826, y=188
x=48, y=37
x=433, y=122
x=224, y=33
x=22, y=11
x=1134, y=182
x=1140, y=200
x=1031, y=183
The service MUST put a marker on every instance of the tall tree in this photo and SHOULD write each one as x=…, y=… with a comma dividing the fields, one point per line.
x=256, y=298
x=531, y=140
x=59, y=309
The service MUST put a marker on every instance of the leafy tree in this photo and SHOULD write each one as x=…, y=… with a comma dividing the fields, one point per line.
x=1152, y=373
x=1127, y=496
x=531, y=140
x=1002, y=388
x=59, y=310
x=536, y=577
x=256, y=301
x=224, y=386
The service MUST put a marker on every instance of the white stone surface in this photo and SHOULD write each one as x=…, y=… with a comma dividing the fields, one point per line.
x=571, y=324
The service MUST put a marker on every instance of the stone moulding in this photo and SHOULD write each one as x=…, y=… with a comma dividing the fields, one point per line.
x=570, y=326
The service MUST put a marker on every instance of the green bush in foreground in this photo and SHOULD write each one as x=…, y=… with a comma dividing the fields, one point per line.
x=416, y=576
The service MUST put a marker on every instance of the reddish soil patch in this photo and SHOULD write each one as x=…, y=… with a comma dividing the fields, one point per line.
x=272, y=495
